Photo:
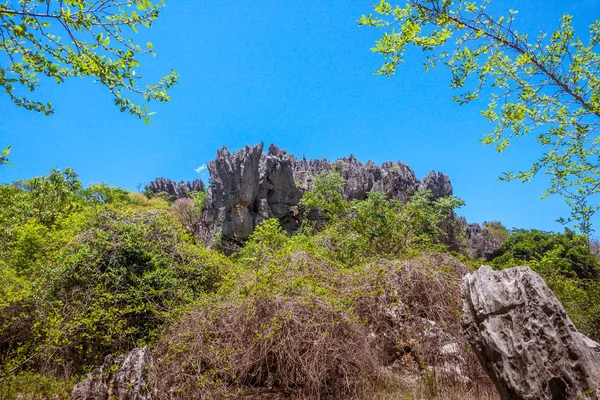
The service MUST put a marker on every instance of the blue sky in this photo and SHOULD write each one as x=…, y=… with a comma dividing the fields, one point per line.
x=298, y=74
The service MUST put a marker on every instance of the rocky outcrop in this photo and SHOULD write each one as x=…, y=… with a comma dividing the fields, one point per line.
x=482, y=241
x=397, y=180
x=175, y=190
x=250, y=186
x=524, y=339
x=439, y=184
x=130, y=377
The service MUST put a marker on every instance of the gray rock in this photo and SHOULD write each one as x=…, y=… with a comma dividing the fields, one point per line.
x=482, y=241
x=277, y=186
x=130, y=377
x=175, y=190
x=249, y=186
x=439, y=184
x=524, y=339
x=234, y=192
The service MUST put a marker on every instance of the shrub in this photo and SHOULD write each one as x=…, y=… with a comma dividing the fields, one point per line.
x=119, y=276
x=185, y=211
x=378, y=227
x=290, y=345
x=120, y=280
x=325, y=198
x=571, y=250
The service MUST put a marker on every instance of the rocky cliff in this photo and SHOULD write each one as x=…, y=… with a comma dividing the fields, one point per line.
x=249, y=186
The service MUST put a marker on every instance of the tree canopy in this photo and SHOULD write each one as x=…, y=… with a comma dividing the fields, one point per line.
x=77, y=38
x=547, y=85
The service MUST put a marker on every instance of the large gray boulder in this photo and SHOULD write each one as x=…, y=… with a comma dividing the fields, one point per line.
x=525, y=340
x=125, y=377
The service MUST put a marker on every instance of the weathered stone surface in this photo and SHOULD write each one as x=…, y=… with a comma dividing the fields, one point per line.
x=524, y=339
x=233, y=195
x=175, y=190
x=130, y=377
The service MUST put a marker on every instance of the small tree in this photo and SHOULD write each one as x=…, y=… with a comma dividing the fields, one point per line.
x=548, y=86
x=325, y=197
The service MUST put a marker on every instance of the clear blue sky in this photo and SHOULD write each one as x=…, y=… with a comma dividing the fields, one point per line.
x=299, y=74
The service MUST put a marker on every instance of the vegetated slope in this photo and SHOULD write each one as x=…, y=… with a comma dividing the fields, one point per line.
x=361, y=302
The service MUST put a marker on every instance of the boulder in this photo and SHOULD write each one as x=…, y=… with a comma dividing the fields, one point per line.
x=525, y=340
x=125, y=377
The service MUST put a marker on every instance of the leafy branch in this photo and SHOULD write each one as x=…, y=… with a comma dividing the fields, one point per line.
x=548, y=86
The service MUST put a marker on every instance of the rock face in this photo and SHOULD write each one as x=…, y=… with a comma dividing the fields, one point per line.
x=175, y=190
x=439, y=184
x=397, y=180
x=130, y=377
x=524, y=339
x=250, y=186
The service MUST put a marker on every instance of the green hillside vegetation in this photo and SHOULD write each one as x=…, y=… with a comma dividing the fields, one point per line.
x=336, y=310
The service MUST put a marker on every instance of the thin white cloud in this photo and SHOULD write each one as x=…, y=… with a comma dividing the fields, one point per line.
x=200, y=168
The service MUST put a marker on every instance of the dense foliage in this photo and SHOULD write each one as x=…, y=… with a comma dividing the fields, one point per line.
x=358, y=290
x=88, y=272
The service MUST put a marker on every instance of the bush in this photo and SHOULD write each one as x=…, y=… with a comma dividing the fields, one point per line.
x=87, y=272
x=378, y=227
x=572, y=255
x=283, y=344
x=325, y=199
x=185, y=212
x=118, y=282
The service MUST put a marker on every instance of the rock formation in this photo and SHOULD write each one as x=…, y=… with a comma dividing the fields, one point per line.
x=175, y=190
x=524, y=339
x=130, y=377
x=482, y=241
x=250, y=186
x=439, y=184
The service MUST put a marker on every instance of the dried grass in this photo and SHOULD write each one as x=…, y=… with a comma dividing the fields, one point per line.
x=413, y=307
x=394, y=331
x=289, y=347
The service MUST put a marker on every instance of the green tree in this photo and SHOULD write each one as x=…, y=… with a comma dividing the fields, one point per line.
x=77, y=38
x=325, y=198
x=547, y=85
x=570, y=252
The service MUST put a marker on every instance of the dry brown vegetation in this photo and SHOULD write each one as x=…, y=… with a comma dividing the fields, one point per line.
x=389, y=329
x=298, y=347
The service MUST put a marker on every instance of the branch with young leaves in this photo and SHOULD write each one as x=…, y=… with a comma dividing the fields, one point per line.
x=61, y=39
x=548, y=86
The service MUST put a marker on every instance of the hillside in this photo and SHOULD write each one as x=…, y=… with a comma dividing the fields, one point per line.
x=282, y=278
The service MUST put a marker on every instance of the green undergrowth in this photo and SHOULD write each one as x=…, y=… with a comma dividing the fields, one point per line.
x=87, y=272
